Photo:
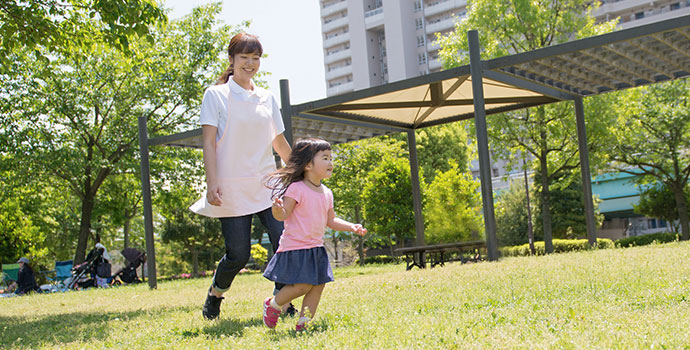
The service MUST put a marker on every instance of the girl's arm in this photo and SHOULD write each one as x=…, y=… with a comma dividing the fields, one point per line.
x=282, y=208
x=213, y=192
x=281, y=146
x=342, y=225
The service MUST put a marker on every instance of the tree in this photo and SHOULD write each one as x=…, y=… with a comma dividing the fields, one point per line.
x=353, y=161
x=652, y=139
x=441, y=146
x=547, y=132
x=80, y=122
x=658, y=201
x=453, y=207
x=387, y=202
x=55, y=27
x=511, y=216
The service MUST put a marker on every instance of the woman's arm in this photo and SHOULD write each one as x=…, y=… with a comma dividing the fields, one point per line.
x=281, y=146
x=213, y=192
x=342, y=225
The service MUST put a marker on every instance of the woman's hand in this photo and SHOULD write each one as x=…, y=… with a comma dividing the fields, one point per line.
x=213, y=194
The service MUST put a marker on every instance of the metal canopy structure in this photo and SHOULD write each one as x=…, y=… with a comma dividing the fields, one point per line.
x=571, y=71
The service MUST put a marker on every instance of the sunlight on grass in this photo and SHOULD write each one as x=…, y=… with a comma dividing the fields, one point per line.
x=616, y=298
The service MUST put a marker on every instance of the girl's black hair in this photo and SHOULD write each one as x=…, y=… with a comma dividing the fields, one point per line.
x=303, y=152
x=240, y=43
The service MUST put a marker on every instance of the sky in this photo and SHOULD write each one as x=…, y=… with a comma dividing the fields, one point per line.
x=290, y=33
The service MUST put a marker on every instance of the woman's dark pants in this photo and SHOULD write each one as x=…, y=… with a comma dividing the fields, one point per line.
x=237, y=234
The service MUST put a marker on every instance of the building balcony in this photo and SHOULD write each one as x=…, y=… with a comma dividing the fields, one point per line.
x=336, y=40
x=337, y=56
x=338, y=72
x=616, y=7
x=433, y=46
x=656, y=16
x=331, y=9
x=435, y=64
x=374, y=18
x=334, y=24
x=340, y=89
x=444, y=6
x=440, y=26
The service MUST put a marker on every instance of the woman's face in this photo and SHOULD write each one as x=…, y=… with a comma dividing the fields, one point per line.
x=245, y=65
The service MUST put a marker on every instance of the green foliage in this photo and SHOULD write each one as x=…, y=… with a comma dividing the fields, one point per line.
x=438, y=147
x=453, y=207
x=559, y=246
x=662, y=237
x=260, y=254
x=387, y=202
x=658, y=201
x=50, y=26
x=18, y=235
x=511, y=215
x=652, y=139
x=381, y=259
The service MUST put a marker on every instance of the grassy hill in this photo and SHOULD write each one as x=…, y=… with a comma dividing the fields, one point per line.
x=617, y=298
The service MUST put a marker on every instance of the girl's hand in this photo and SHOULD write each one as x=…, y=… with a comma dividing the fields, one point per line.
x=214, y=194
x=278, y=203
x=359, y=230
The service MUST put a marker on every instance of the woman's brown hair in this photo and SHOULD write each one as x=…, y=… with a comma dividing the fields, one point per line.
x=240, y=43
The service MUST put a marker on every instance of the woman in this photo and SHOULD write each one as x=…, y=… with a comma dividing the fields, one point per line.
x=241, y=126
x=26, y=282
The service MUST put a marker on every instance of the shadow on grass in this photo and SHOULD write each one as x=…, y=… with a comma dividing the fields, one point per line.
x=227, y=327
x=68, y=327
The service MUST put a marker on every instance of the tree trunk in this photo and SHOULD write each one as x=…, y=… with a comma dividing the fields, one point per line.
x=335, y=248
x=546, y=206
x=87, y=205
x=125, y=231
x=360, y=245
x=682, y=206
x=195, y=262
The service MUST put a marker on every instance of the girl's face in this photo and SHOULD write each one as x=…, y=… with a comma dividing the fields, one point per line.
x=322, y=165
x=245, y=65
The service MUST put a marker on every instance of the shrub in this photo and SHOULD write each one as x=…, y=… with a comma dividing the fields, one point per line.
x=381, y=259
x=559, y=246
x=260, y=254
x=663, y=237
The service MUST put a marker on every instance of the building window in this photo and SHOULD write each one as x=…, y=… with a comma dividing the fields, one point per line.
x=494, y=172
x=417, y=5
x=662, y=223
x=420, y=41
x=651, y=223
x=422, y=58
x=419, y=23
x=675, y=6
x=639, y=15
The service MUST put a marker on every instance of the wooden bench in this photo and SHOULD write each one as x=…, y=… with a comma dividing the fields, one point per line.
x=416, y=256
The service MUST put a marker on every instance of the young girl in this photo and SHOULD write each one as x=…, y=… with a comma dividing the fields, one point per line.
x=306, y=206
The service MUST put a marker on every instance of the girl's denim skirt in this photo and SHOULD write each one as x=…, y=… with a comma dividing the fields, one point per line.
x=309, y=266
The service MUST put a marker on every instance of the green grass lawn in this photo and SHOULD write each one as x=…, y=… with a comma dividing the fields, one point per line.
x=617, y=298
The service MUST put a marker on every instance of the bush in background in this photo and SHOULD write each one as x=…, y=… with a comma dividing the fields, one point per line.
x=663, y=237
x=559, y=246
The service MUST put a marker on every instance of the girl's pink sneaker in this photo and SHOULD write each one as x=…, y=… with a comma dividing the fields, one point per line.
x=270, y=314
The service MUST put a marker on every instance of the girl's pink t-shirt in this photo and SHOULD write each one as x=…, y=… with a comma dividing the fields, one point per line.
x=305, y=226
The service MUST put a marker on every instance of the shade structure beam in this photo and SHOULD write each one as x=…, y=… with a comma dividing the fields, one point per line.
x=600, y=67
x=578, y=83
x=640, y=59
x=575, y=69
x=671, y=66
x=672, y=45
x=620, y=64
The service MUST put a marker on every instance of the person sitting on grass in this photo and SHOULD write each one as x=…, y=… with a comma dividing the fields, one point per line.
x=306, y=206
x=26, y=282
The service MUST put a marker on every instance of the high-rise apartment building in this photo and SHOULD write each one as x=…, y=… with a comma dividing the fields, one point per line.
x=372, y=42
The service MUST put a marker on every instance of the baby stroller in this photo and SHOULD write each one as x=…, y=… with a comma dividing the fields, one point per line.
x=81, y=274
x=128, y=274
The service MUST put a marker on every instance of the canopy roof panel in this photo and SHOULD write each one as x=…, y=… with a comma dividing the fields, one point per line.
x=614, y=61
x=627, y=58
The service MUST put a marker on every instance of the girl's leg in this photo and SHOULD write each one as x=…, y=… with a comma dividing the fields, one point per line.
x=291, y=292
x=311, y=301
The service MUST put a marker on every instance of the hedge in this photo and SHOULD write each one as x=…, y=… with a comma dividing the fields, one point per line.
x=559, y=246
x=663, y=237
